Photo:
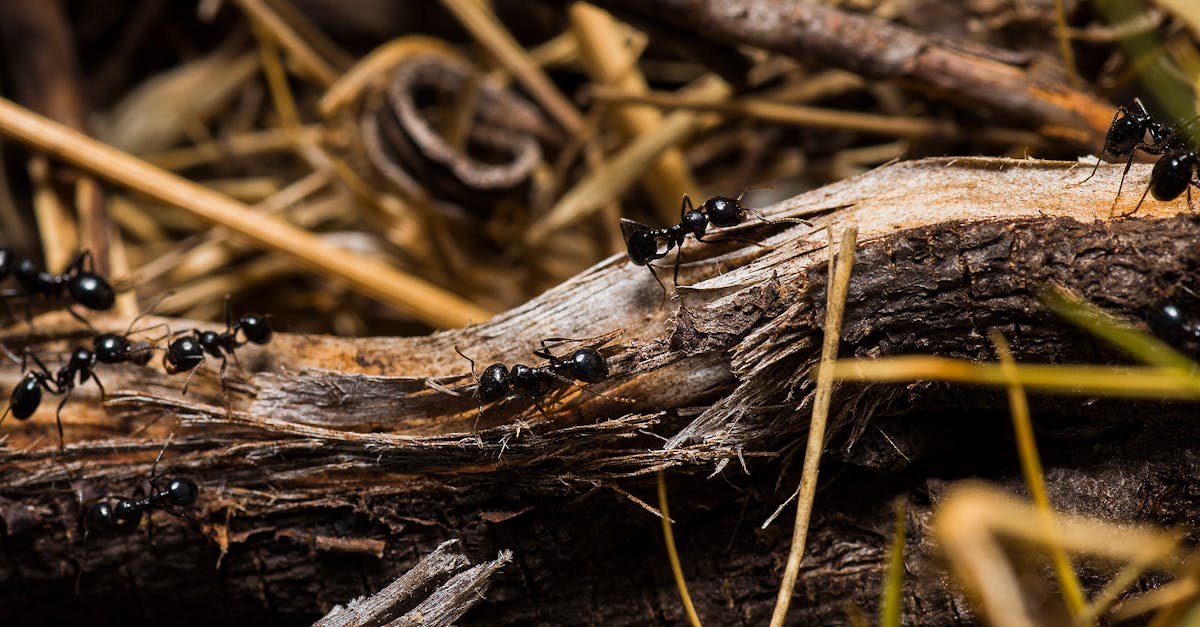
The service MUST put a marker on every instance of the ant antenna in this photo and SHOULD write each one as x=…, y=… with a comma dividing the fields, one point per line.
x=478, y=395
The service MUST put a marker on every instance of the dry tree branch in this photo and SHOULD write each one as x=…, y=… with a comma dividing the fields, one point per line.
x=338, y=445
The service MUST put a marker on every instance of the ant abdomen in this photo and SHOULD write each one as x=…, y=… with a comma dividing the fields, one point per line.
x=1172, y=175
x=643, y=247
x=27, y=395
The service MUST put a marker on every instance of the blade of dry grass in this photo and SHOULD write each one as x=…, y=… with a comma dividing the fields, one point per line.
x=672, y=554
x=606, y=183
x=1114, y=381
x=891, y=607
x=367, y=276
x=1031, y=467
x=839, y=282
x=1145, y=348
x=487, y=29
x=609, y=61
x=309, y=63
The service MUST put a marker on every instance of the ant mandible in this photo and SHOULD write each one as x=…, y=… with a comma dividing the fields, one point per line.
x=523, y=381
x=643, y=242
x=188, y=352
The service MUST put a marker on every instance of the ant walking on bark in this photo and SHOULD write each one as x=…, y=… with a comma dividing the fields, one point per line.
x=107, y=348
x=188, y=351
x=78, y=281
x=498, y=381
x=646, y=244
x=127, y=513
x=1133, y=129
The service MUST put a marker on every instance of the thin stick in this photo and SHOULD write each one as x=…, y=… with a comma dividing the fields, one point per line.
x=835, y=304
x=672, y=554
x=368, y=276
x=1031, y=467
x=307, y=60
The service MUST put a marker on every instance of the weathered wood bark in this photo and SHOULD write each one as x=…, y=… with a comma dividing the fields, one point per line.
x=339, y=466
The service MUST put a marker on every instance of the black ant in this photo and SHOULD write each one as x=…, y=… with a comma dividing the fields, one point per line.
x=188, y=352
x=27, y=396
x=1133, y=129
x=78, y=281
x=107, y=348
x=128, y=513
x=522, y=381
x=643, y=241
x=1174, y=172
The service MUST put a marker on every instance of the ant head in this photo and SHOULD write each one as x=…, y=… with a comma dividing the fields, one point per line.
x=101, y=516
x=184, y=353
x=92, y=292
x=493, y=384
x=695, y=222
x=724, y=211
x=1172, y=174
x=257, y=328
x=642, y=246
x=111, y=348
x=182, y=491
x=588, y=365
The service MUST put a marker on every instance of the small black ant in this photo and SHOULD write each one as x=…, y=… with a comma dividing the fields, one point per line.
x=643, y=242
x=188, y=351
x=107, y=348
x=522, y=381
x=27, y=396
x=79, y=281
x=128, y=513
x=1133, y=129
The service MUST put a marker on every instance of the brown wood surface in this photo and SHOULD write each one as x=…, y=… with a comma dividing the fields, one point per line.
x=338, y=465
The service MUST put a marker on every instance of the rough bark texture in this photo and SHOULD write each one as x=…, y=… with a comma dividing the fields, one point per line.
x=340, y=464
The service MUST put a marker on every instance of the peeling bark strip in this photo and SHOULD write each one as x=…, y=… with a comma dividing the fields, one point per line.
x=337, y=447
x=440, y=586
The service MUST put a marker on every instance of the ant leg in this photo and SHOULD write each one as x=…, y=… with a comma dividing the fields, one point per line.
x=100, y=385
x=678, y=260
x=478, y=395
x=225, y=390
x=685, y=206
x=188, y=380
x=1137, y=206
x=1121, y=185
x=76, y=315
x=1120, y=111
x=58, y=419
